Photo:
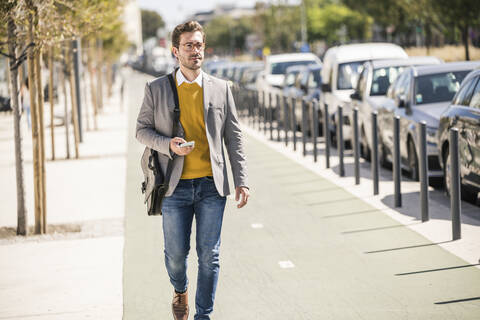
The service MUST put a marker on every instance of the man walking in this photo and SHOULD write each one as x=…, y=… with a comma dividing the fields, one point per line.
x=198, y=185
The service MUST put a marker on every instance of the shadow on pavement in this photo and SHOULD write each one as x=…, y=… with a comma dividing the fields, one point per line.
x=439, y=207
x=439, y=269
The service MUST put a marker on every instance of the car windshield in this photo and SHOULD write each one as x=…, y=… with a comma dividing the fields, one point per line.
x=348, y=74
x=382, y=78
x=438, y=87
x=281, y=67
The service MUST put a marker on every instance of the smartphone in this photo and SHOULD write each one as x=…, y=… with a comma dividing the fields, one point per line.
x=187, y=144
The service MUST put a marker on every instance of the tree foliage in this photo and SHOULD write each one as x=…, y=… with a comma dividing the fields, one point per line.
x=280, y=25
x=226, y=34
x=151, y=21
x=337, y=23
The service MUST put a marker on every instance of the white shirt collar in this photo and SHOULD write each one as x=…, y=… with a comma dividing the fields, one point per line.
x=181, y=78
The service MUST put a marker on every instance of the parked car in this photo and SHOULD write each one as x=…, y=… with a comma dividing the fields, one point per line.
x=419, y=94
x=5, y=104
x=372, y=88
x=276, y=65
x=341, y=67
x=463, y=114
x=249, y=76
x=310, y=83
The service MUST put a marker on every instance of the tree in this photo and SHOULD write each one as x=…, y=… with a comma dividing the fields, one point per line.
x=337, y=23
x=227, y=34
x=7, y=18
x=151, y=21
x=278, y=26
x=46, y=24
x=464, y=14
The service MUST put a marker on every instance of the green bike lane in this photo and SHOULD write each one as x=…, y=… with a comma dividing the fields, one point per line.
x=303, y=248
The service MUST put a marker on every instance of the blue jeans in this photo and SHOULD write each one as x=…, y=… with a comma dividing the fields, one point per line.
x=199, y=198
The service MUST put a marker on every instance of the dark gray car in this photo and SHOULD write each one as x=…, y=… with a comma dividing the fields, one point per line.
x=463, y=114
x=372, y=86
x=419, y=94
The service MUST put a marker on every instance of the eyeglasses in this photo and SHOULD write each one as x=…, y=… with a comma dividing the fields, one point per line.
x=197, y=45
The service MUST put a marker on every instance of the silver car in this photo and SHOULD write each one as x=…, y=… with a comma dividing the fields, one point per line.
x=372, y=86
x=419, y=94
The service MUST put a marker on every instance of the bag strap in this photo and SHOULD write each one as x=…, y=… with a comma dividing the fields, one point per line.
x=176, y=121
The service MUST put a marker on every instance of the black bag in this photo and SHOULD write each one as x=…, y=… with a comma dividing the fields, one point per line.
x=155, y=185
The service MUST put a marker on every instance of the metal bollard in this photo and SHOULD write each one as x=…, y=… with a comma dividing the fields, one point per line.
x=397, y=170
x=423, y=168
x=304, y=127
x=285, y=118
x=340, y=143
x=250, y=108
x=315, y=129
x=265, y=113
x=277, y=109
x=374, y=153
x=270, y=114
x=257, y=109
x=326, y=135
x=356, y=146
x=455, y=193
x=294, y=124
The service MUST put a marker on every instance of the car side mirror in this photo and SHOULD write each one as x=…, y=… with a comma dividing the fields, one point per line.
x=355, y=96
x=326, y=87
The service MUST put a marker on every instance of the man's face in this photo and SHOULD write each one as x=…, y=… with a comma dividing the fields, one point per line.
x=191, y=50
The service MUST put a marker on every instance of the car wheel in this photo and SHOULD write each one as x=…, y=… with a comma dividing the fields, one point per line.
x=446, y=172
x=413, y=161
x=382, y=156
x=364, y=150
x=466, y=193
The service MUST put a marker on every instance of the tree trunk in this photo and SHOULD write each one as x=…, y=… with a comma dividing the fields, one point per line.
x=37, y=186
x=41, y=127
x=74, y=100
x=108, y=74
x=465, y=42
x=93, y=92
x=22, y=222
x=66, y=120
x=99, y=74
x=51, y=98
x=84, y=87
x=428, y=37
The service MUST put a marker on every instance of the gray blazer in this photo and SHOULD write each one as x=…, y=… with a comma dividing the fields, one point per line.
x=154, y=130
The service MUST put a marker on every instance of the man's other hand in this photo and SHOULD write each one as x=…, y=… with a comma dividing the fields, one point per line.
x=242, y=194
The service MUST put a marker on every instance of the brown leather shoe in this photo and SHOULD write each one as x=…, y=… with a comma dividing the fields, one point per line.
x=180, y=305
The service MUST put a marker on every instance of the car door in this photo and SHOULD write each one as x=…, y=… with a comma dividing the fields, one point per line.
x=471, y=135
x=392, y=109
x=360, y=104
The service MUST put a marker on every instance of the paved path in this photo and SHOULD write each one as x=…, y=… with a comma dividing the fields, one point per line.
x=303, y=248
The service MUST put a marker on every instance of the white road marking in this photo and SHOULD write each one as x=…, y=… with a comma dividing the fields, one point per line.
x=286, y=264
x=257, y=225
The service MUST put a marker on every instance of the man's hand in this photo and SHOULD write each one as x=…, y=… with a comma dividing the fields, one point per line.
x=244, y=193
x=174, y=146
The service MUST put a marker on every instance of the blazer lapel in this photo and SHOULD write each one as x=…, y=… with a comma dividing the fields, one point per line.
x=206, y=84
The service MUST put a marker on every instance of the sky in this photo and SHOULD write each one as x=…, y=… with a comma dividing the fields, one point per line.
x=174, y=12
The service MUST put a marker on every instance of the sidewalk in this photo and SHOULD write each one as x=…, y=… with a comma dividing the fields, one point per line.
x=303, y=248
x=73, y=271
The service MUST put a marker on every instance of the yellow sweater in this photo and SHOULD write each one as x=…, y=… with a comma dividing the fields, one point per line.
x=197, y=163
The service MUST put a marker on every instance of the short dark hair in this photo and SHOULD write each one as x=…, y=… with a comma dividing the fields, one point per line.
x=189, y=26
